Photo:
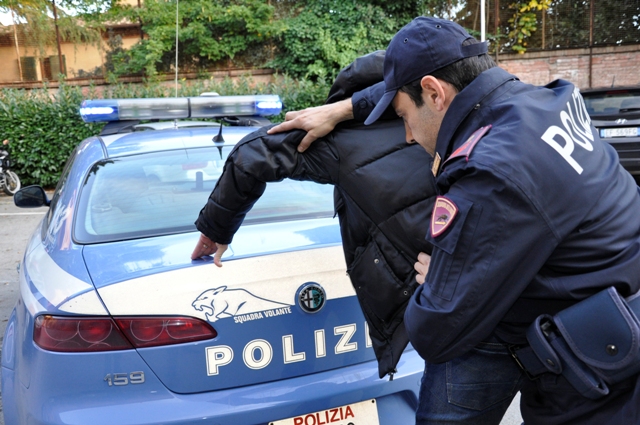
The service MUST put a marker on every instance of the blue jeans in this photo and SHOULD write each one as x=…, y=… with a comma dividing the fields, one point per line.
x=476, y=388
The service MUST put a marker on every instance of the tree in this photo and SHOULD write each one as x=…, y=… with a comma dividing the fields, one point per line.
x=524, y=21
x=616, y=22
x=298, y=37
x=322, y=36
x=209, y=34
x=12, y=6
x=34, y=19
x=583, y=23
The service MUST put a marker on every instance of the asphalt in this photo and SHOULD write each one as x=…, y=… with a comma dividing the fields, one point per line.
x=16, y=227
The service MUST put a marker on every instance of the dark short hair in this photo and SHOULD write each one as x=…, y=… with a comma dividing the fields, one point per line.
x=459, y=74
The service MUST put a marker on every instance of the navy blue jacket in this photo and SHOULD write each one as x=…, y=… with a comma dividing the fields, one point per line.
x=546, y=216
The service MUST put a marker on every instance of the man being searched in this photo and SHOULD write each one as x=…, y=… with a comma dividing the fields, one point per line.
x=535, y=269
x=383, y=197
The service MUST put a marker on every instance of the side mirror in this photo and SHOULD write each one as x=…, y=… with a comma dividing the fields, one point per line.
x=31, y=197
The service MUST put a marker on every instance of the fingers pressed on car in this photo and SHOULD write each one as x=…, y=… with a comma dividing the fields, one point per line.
x=204, y=246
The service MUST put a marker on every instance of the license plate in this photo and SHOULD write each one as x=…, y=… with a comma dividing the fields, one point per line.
x=619, y=132
x=362, y=413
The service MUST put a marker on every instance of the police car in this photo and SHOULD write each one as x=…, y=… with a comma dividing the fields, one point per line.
x=115, y=324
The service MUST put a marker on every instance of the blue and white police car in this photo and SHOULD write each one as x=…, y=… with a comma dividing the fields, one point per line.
x=116, y=325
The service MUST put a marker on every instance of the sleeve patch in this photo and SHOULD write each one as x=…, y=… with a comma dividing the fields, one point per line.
x=444, y=211
x=467, y=147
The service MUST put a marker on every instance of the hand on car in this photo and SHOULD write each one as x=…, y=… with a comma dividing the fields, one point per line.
x=206, y=246
x=317, y=121
x=422, y=267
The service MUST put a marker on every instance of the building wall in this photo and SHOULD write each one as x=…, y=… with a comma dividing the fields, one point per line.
x=77, y=58
x=598, y=67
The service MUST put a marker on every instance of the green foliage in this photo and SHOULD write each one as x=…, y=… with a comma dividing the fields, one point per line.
x=40, y=28
x=524, y=21
x=323, y=36
x=43, y=128
x=310, y=38
x=209, y=32
x=299, y=94
x=329, y=34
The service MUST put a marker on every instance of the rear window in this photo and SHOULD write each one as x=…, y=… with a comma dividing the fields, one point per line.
x=162, y=193
x=612, y=102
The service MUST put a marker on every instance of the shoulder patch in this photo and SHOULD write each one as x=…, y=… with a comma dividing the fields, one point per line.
x=444, y=211
x=467, y=147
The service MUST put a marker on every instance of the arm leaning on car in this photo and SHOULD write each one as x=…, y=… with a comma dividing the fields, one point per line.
x=252, y=163
x=317, y=121
x=358, y=81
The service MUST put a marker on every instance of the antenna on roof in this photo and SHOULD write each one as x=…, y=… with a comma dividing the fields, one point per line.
x=218, y=140
x=613, y=81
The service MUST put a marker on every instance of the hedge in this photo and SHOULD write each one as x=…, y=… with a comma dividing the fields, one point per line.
x=43, y=127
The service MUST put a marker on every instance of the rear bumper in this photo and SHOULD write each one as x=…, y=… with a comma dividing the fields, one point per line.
x=252, y=405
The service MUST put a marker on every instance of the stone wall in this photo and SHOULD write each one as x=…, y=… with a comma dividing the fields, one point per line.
x=596, y=67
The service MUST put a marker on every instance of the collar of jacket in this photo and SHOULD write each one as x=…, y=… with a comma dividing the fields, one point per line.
x=465, y=103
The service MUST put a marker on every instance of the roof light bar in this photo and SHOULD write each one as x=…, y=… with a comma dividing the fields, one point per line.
x=103, y=110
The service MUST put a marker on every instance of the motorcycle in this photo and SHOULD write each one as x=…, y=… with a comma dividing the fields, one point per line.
x=9, y=181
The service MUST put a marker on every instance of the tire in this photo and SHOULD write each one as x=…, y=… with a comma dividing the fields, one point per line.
x=11, y=183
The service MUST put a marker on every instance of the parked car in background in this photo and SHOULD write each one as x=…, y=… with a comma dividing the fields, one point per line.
x=115, y=324
x=615, y=112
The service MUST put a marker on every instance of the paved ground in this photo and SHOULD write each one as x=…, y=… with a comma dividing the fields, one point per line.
x=513, y=414
x=16, y=227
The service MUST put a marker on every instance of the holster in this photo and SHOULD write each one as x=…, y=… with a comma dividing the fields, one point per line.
x=593, y=344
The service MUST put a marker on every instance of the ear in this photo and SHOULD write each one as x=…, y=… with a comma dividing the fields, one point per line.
x=435, y=92
x=216, y=291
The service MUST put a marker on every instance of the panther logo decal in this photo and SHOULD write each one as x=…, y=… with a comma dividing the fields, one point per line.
x=221, y=303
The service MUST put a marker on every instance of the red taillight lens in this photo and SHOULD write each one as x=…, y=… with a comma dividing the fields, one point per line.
x=78, y=334
x=90, y=334
x=155, y=331
x=143, y=330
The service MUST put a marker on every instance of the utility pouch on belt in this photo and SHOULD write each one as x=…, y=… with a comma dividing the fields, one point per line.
x=593, y=344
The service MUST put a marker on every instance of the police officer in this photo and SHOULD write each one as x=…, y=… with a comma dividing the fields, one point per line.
x=535, y=219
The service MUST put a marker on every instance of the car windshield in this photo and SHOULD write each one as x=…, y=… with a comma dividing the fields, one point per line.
x=612, y=102
x=163, y=192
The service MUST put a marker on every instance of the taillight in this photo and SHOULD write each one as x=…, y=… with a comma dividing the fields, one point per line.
x=75, y=334
x=89, y=334
x=154, y=331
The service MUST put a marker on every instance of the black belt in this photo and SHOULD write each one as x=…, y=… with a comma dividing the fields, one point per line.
x=531, y=364
x=593, y=344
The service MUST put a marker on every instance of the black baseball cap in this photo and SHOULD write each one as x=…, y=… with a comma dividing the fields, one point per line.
x=421, y=47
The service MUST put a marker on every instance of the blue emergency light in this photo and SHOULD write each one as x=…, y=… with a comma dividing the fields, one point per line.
x=103, y=110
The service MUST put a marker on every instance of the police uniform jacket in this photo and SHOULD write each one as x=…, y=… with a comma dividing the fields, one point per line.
x=534, y=213
x=383, y=197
